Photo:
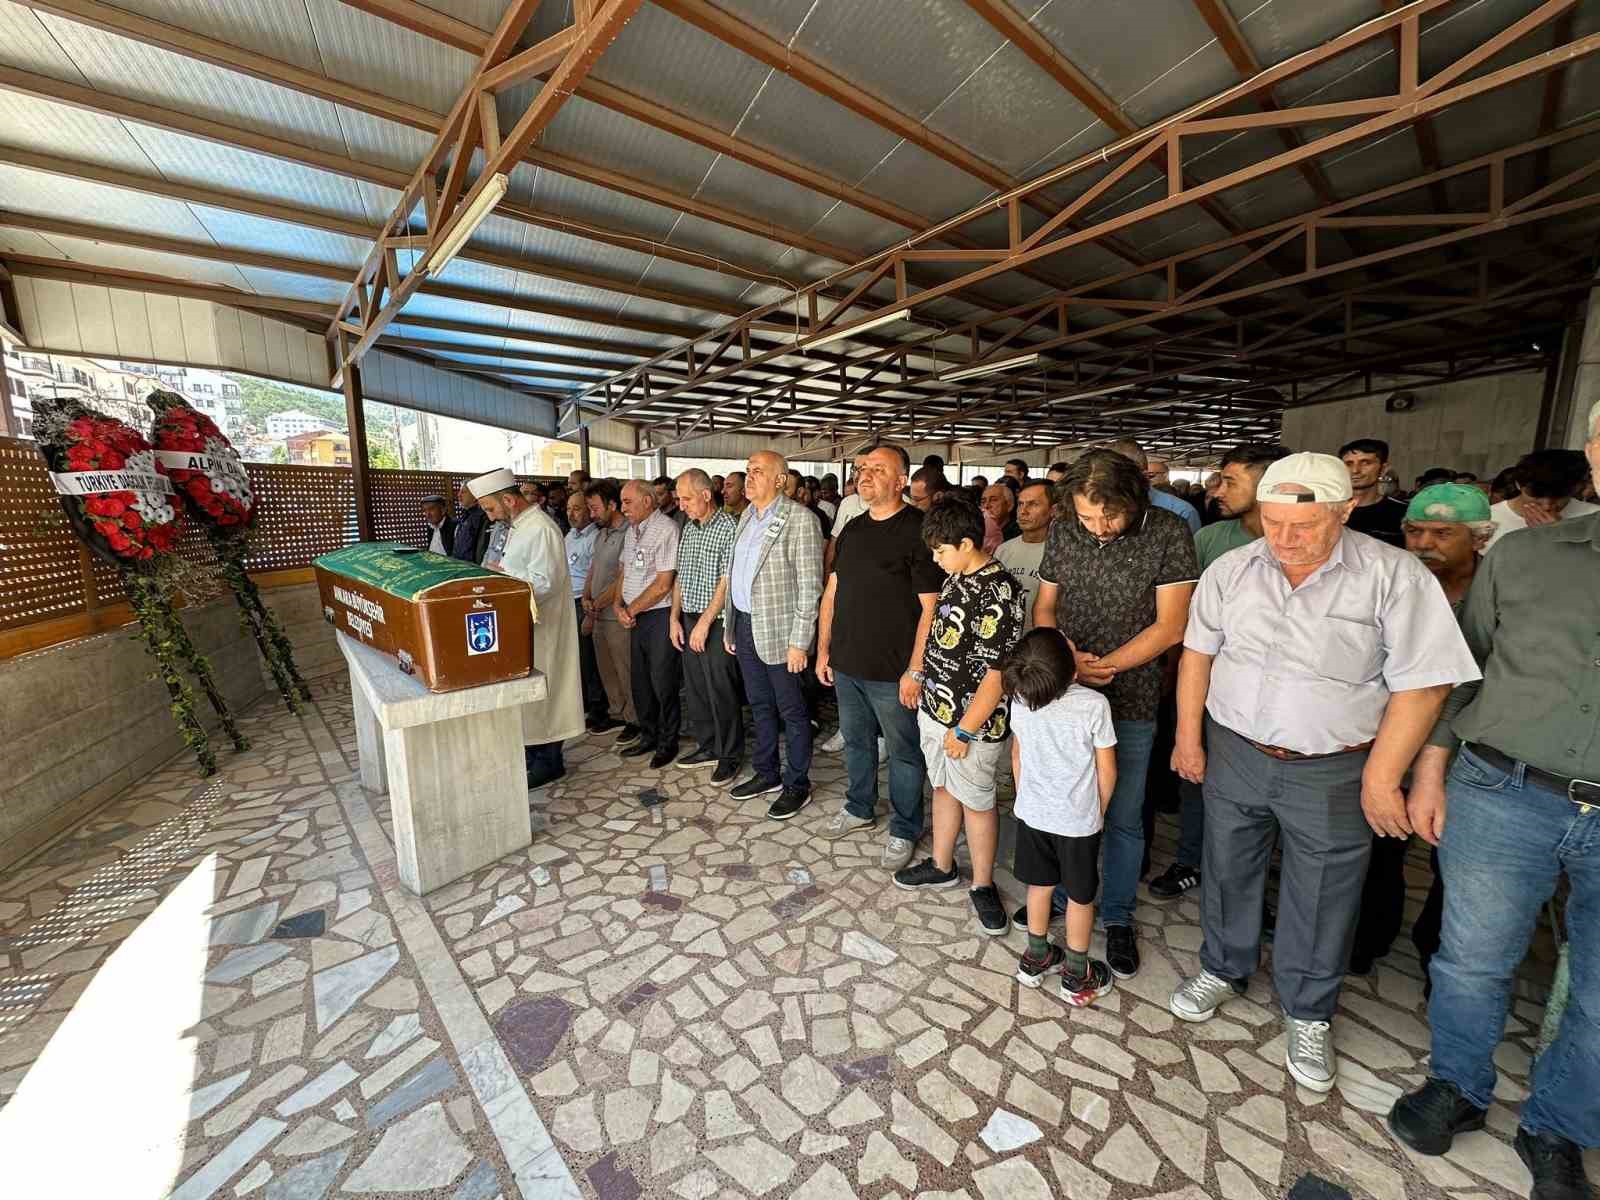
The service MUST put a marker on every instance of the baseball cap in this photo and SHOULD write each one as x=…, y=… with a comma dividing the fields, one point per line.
x=1448, y=502
x=1325, y=477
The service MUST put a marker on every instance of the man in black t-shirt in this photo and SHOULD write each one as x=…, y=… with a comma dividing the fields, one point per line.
x=1375, y=514
x=877, y=606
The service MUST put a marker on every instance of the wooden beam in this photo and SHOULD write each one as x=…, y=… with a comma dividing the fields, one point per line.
x=355, y=417
x=530, y=63
x=429, y=22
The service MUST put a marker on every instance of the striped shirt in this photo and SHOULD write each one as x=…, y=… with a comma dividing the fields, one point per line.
x=649, y=548
x=705, y=550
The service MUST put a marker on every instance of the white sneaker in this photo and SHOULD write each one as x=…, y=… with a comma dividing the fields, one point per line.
x=843, y=825
x=897, y=852
x=1197, y=997
x=834, y=744
x=1309, y=1054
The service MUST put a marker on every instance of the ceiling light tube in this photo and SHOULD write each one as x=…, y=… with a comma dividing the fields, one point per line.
x=482, y=205
x=836, y=335
x=1020, y=360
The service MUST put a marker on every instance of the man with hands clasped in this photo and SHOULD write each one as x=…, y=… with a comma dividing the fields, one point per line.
x=1314, y=665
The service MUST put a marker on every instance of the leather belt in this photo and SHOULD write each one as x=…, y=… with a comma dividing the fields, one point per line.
x=1580, y=791
x=1286, y=755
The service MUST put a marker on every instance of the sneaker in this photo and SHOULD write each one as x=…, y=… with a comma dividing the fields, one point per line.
x=991, y=913
x=637, y=749
x=1019, y=919
x=629, y=735
x=1122, y=951
x=755, y=786
x=603, y=725
x=663, y=757
x=834, y=744
x=727, y=771
x=700, y=758
x=1095, y=983
x=897, y=852
x=1555, y=1164
x=925, y=875
x=1429, y=1118
x=790, y=801
x=1174, y=882
x=1198, y=997
x=843, y=824
x=1031, y=971
x=1309, y=1054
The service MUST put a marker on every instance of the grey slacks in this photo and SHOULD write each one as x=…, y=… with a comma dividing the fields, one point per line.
x=612, y=652
x=1314, y=807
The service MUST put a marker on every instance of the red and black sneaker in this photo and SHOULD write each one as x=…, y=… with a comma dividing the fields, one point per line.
x=1031, y=971
x=1095, y=982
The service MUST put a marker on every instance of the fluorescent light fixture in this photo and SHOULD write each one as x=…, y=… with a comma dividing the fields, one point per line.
x=838, y=335
x=1004, y=364
x=482, y=205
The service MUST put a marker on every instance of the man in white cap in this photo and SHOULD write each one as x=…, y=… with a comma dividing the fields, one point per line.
x=1314, y=665
x=534, y=552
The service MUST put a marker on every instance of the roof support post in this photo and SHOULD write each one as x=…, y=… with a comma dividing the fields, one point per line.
x=356, y=420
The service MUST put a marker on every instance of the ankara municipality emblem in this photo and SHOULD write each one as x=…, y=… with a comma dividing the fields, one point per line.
x=483, y=634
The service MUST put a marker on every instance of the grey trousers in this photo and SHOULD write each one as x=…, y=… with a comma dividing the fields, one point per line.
x=1314, y=806
x=612, y=652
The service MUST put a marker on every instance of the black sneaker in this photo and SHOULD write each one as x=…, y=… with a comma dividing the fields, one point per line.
x=700, y=758
x=727, y=771
x=925, y=875
x=663, y=757
x=1031, y=971
x=1122, y=951
x=1019, y=919
x=629, y=734
x=1096, y=982
x=1555, y=1164
x=1174, y=882
x=637, y=749
x=790, y=801
x=755, y=786
x=603, y=725
x=991, y=913
x=1429, y=1118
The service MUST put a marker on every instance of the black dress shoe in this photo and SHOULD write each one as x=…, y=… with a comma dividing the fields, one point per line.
x=790, y=801
x=637, y=749
x=663, y=757
x=1122, y=951
x=1429, y=1118
x=1555, y=1164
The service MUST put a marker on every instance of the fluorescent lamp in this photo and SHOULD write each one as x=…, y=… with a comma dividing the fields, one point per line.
x=482, y=205
x=836, y=335
x=1020, y=360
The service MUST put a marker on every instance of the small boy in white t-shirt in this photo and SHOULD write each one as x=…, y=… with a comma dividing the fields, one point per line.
x=1063, y=756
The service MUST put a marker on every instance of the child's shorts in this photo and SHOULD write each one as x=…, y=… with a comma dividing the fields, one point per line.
x=1049, y=859
x=970, y=779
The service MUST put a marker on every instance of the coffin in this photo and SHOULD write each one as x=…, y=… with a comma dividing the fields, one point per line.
x=449, y=623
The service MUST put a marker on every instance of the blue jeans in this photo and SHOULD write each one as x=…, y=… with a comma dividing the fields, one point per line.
x=775, y=696
x=867, y=706
x=1124, y=829
x=1507, y=839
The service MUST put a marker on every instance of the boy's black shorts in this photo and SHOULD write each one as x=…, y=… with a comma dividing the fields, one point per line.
x=1048, y=859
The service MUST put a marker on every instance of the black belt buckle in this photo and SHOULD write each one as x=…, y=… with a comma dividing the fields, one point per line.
x=1583, y=792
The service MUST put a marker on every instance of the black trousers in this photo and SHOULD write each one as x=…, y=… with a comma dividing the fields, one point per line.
x=595, y=704
x=713, y=693
x=657, y=671
x=1383, y=900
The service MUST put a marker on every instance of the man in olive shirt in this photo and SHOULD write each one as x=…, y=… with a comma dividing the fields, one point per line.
x=1520, y=807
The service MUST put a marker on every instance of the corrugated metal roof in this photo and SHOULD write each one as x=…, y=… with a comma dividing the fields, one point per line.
x=46, y=195
x=355, y=45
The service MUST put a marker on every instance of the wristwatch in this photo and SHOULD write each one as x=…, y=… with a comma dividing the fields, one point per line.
x=918, y=676
x=962, y=735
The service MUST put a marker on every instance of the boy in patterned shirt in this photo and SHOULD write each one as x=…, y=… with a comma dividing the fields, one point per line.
x=963, y=718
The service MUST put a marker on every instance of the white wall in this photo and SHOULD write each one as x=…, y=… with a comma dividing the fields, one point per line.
x=1478, y=425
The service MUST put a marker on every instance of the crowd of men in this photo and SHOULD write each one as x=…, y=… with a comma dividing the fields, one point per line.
x=1294, y=654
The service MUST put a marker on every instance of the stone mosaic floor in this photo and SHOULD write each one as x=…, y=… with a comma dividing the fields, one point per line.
x=216, y=988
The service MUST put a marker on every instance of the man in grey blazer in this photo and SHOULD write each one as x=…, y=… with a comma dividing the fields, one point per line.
x=774, y=583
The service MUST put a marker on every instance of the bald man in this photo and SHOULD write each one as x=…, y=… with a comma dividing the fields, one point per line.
x=774, y=583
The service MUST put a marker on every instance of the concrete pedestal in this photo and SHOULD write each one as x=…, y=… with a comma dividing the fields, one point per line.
x=451, y=762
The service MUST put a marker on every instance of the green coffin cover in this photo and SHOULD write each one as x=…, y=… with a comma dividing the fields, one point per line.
x=400, y=570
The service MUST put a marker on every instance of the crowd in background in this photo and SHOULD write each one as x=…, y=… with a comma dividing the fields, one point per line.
x=1296, y=656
